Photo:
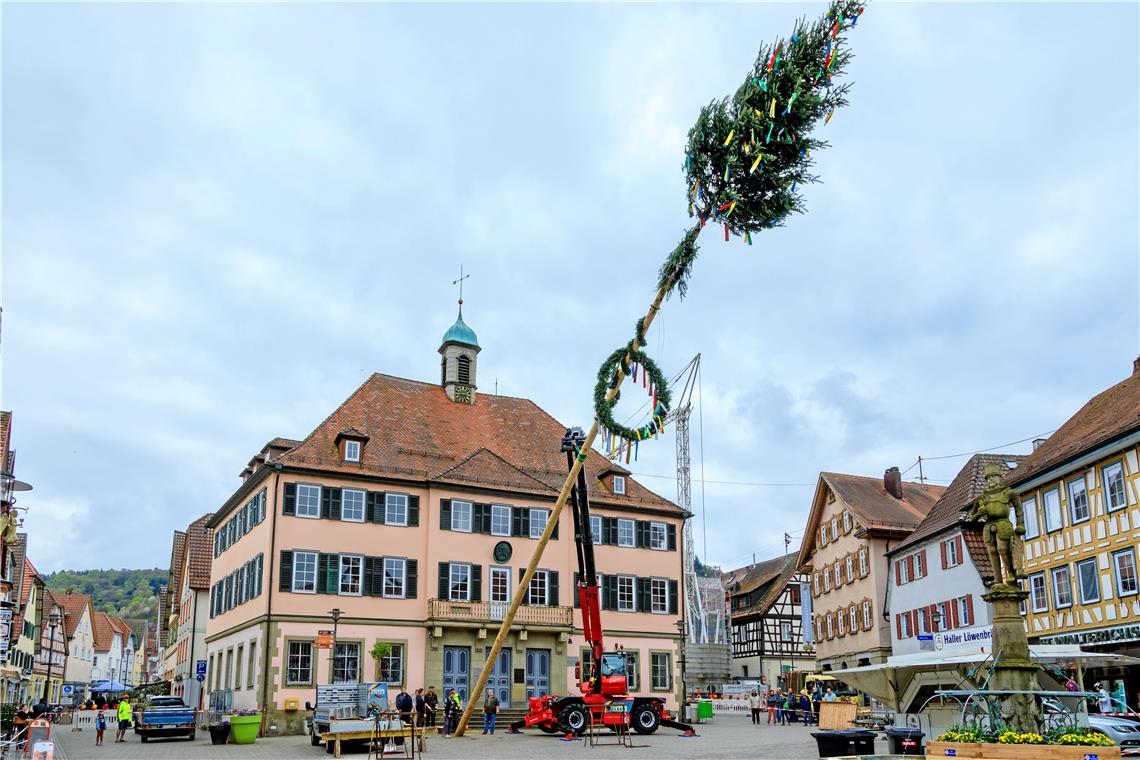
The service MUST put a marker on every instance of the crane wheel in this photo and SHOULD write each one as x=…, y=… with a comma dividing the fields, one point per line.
x=574, y=718
x=645, y=719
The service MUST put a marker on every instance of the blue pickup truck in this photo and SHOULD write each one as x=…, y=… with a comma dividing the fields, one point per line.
x=164, y=717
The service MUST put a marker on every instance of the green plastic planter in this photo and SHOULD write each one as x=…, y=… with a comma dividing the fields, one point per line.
x=244, y=728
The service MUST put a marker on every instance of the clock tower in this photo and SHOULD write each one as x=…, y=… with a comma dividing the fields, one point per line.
x=459, y=351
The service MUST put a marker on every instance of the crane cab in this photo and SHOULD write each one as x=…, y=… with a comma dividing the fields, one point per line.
x=613, y=674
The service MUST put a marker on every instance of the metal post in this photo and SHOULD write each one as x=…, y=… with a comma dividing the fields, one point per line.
x=54, y=621
x=684, y=691
x=555, y=512
x=335, y=612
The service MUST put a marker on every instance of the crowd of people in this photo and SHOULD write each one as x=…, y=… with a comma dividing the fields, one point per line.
x=786, y=706
x=424, y=708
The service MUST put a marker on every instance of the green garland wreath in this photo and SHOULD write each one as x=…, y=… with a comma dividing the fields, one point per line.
x=607, y=379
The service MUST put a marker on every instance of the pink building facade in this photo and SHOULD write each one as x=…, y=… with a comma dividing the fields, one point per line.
x=413, y=509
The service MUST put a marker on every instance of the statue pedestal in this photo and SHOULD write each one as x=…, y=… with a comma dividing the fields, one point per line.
x=1014, y=670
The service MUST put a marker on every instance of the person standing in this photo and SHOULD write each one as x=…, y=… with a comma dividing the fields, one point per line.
x=448, y=711
x=100, y=727
x=404, y=706
x=805, y=708
x=490, y=710
x=431, y=702
x=1103, y=698
x=754, y=703
x=421, y=708
x=123, y=711
x=829, y=695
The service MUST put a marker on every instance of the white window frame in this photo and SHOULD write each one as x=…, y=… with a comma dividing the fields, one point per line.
x=289, y=669
x=852, y=619
x=658, y=536
x=1062, y=584
x=538, y=591
x=846, y=521
x=1116, y=556
x=658, y=668
x=835, y=526
x=497, y=571
x=827, y=578
x=923, y=621
x=850, y=567
x=903, y=572
x=632, y=526
x=349, y=646
x=830, y=626
x=316, y=571
x=952, y=558
x=467, y=509
x=1080, y=579
x=500, y=515
x=1032, y=518
x=1082, y=487
x=395, y=512
x=395, y=655
x=619, y=485
x=352, y=451
x=399, y=564
x=534, y=527
x=1033, y=593
x=659, y=592
x=1056, y=492
x=1105, y=477
x=350, y=559
x=838, y=574
x=868, y=618
x=453, y=580
x=631, y=606
x=596, y=534
x=315, y=514
x=863, y=568
x=363, y=503
x=823, y=535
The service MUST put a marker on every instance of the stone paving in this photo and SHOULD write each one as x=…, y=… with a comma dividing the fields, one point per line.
x=727, y=737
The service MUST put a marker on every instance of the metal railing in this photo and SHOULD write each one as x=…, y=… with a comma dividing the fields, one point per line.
x=485, y=612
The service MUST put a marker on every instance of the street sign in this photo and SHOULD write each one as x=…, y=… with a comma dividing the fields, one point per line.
x=324, y=640
x=68, y=688
x=926, y=637
x=200, y=668
x=201, y=677
x=4, y=644
x=6, y=615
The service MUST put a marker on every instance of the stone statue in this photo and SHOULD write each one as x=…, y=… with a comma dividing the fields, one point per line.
x=1002, y=539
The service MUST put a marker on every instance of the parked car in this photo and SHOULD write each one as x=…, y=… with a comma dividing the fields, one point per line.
x=165, y=717
x=1124, y=731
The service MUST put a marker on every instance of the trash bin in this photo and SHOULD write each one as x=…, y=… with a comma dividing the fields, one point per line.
x=219, y=733
x=704, y=709
x=905, y=741
x=850, y=741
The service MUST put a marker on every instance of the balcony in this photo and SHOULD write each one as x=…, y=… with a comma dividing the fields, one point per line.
x=442, y=610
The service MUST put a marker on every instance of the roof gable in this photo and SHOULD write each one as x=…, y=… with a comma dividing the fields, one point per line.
x=1108, y=415
x=417, y=433
x=486, y=467
x=75, y=607
x=770, y=578
x=199, y=552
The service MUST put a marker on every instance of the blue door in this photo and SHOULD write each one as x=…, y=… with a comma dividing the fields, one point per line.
x=500, y=678
x=537, y=672
x=456, y=670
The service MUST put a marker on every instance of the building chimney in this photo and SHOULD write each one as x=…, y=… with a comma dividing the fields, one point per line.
x=892, y=481
x=1136, y=366
x=1037, y=443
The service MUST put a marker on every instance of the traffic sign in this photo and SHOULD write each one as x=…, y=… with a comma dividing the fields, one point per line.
x=201, y=677
x=200, y=668
x=324, y=639
x=6, y=615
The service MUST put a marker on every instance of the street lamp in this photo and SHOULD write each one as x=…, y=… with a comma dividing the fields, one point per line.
x=53, y=622
x=335, y=612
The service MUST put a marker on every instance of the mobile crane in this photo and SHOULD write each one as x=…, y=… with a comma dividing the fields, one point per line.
x=603, y=680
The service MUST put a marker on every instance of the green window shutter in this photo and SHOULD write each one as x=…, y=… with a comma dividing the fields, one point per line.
x=516, y=521
x=375, y=507
x=286, y=583
x=609, y=530
x=552, y=579
x=444, y=574
x=368, y=578
x=642, y=533
x=413, y=511
x=524, y=521
x=412, y=579
x=445, y=516
x=476, y=583
x=289, y=504
x=644, y=594
x=672, y=597
x=609, y=596
x=334, y=503
x=671, y=537
x=329, y=572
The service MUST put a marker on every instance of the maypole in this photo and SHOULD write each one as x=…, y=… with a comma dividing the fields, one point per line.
x=746, y=156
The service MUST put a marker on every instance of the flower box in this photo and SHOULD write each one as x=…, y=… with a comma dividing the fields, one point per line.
x=1020, y=751
x=245, y=728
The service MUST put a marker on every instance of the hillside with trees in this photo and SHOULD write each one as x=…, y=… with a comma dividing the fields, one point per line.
x=127, y=593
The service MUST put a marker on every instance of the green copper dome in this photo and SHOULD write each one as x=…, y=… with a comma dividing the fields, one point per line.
x=461, y=333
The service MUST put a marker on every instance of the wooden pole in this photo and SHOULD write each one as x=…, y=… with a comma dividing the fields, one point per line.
x=563, y=495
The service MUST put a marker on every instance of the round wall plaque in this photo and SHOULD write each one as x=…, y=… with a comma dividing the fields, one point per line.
x=502, y=552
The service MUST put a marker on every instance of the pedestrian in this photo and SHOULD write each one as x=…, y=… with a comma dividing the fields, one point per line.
x=770, y=702
x=421, y=708
x=20, y=723
x=785, y=708
x=754, y=703
x=100, y=727
x=805, y=709
x=829, y=695
x=404, y=706
x=1103, y=699
x=448, y=711
x=490, y=710
x=123, y=712
x=431, y=701
x=1071, y=685
x=816, y=696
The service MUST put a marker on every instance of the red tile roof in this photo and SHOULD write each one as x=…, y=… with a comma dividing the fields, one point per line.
x=73, y=606
x=177, y=562
x=958, y=497
x=417, y=433
x=5, y=436
x=1111, y=414
x=104, y=631
x=200, y=545
x=771, y=576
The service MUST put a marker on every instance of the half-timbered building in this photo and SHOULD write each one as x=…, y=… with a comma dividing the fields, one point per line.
x=765, y=611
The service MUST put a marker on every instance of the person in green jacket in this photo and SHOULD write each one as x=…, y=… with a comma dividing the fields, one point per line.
x=124, y=714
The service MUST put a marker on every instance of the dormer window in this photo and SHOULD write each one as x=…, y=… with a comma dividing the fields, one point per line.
x=352, y=451
x=619, y=485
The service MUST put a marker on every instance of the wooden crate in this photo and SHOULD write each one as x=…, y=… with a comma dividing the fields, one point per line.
x=1020, y=751
x=836, y=715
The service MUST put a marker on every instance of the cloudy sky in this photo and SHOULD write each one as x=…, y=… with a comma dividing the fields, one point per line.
x=217, y=219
